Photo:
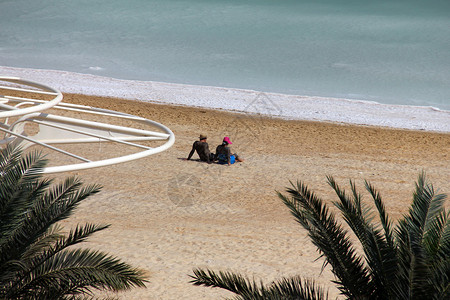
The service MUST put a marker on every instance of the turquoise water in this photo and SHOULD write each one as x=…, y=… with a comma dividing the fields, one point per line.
x=386, y=51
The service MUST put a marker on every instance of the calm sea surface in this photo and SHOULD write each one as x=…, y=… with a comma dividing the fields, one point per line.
x=395, y=51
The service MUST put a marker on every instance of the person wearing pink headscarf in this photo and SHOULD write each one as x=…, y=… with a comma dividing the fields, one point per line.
x=224, y=155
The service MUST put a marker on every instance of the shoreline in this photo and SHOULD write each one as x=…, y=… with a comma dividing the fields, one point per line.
x=289, y=107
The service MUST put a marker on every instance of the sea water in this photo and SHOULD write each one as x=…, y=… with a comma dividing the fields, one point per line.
x=392, y=52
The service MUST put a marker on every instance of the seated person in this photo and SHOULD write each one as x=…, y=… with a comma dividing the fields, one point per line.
x=223, y=153
x=202, y=149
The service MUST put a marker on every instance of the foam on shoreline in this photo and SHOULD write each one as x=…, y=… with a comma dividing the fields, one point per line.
x=294, y=107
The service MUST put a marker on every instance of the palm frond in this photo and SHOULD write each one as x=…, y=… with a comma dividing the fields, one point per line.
x=330, y=239
x=50, y=237
x=77, y=271
x=437, y=246
x=386, y=223
x=245, y=288
x=16, y=187
x=35, y=262
x=44, y=264
x=75, y=236
x=425, y=207
x=18, y=170
x=379, y=254
x=408, y=261
x=18, y=206
x=437, y=238
x=414, y=234
x=405, y=257
x=234, y=283
x=296, y=288
x=44, y=213
x=60, y=202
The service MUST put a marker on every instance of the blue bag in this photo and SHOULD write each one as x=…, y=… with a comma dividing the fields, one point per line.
x=223, y=159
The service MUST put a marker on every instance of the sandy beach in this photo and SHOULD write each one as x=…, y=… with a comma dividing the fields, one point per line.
x=169, y=216
x=304, y=90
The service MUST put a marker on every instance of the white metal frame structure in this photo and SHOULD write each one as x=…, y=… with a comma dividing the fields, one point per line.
x=52, y=129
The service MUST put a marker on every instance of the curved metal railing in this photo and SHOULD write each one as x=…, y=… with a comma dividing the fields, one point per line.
x=25, y=102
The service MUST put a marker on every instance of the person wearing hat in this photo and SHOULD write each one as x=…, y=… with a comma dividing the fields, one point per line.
x=202, y=148
x=224, y=155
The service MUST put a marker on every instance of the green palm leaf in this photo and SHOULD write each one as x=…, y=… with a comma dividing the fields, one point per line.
x=78, y=271
x=226, y=280
x=408, y=261
x=331, y=240
x=415, y=270
x=296, y=288
x=45, y=212
x=42, y=255
x=379, y=253
x=437, y=246
x=17, y=185
x=35, y=259
x=245, y=288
